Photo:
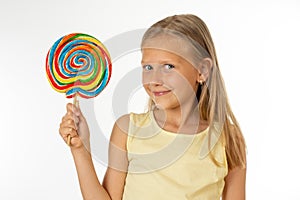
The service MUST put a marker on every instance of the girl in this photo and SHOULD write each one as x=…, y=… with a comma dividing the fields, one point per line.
x=188, y=145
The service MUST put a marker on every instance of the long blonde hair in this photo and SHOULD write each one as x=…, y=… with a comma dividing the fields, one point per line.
x=213, y=101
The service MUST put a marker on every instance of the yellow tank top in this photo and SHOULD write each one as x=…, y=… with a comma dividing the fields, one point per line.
x=165, y=165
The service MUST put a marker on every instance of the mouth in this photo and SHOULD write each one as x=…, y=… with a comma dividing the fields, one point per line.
x=160, y=93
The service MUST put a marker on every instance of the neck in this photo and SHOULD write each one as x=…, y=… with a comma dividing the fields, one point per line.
x=184, y=118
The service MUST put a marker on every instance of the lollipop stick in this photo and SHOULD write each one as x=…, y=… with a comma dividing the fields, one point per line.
x=75, y=102
x=69, y=140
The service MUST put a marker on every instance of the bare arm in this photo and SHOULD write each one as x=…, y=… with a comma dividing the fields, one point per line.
x=235, y=183
x=90, y=186
x=114, y=179
x=74, y=124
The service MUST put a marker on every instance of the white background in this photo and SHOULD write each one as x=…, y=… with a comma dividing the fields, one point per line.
x=258, y=49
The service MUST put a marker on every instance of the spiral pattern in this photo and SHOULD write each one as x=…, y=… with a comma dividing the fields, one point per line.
x=78, y=64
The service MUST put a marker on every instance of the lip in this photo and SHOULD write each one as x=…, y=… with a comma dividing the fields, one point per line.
x=160, y=93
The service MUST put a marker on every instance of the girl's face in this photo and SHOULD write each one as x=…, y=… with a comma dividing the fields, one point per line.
x=169, y=79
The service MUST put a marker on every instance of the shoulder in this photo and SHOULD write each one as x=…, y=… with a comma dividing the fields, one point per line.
x=122, y=126
x=117, y=144
x=120, y=130
x=122, y=123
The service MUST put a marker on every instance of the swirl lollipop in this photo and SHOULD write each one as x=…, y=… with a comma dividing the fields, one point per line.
x=78, y=64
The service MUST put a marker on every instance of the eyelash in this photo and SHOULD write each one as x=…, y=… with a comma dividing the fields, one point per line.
x=147, y=66
x=166, y=66
x=170, y=66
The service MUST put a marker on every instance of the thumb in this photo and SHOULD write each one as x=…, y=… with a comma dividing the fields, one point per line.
x=77, y=111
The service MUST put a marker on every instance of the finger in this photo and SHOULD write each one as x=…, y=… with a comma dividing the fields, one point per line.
x=68, y=124
x=72, y=109
x=64, y=132
x=66, y=117
x=70, y=116
x=78, y=113
x=69, y=107
x=75, y=112
x=72, y=140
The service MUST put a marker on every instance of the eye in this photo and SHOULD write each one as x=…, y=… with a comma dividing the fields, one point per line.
x=147, y=67
x=169, y=66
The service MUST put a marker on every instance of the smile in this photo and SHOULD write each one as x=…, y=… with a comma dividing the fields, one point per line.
x=161, y=93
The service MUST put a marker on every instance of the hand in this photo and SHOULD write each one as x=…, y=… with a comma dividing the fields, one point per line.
x=75, y=125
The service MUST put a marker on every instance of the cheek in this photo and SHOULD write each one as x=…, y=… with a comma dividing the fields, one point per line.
x=143, y=78
x=183, y=86
x=145, y=82
x=146, y=78
x=177, y=81
x=147, y=89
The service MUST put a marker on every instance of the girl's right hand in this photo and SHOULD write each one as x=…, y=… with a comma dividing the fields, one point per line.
x=74, y=124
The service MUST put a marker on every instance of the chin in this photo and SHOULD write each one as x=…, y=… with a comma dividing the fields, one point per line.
x=166, y=105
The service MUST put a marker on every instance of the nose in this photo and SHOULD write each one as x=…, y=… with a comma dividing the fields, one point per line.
x=157, y=78
x=154, y=77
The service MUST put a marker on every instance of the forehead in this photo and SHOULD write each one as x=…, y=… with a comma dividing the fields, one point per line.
x=167, y=46
x=152, y=55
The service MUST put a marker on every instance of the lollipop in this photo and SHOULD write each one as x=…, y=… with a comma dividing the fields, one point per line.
x=78, y=64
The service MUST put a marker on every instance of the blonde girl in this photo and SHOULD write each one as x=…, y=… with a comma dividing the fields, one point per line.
x=188, y=145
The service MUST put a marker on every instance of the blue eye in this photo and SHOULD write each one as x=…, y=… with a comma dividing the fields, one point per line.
x=147, y=67
x=169, y=66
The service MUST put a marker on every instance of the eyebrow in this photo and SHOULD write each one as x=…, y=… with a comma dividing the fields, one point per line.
x=160, y=62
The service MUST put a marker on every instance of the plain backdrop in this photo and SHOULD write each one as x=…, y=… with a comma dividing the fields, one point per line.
x=257, y=45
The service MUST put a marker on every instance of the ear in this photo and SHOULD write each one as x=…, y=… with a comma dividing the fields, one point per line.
x=204, y=69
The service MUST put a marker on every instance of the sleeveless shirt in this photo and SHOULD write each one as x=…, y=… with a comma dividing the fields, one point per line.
x=165, y=165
